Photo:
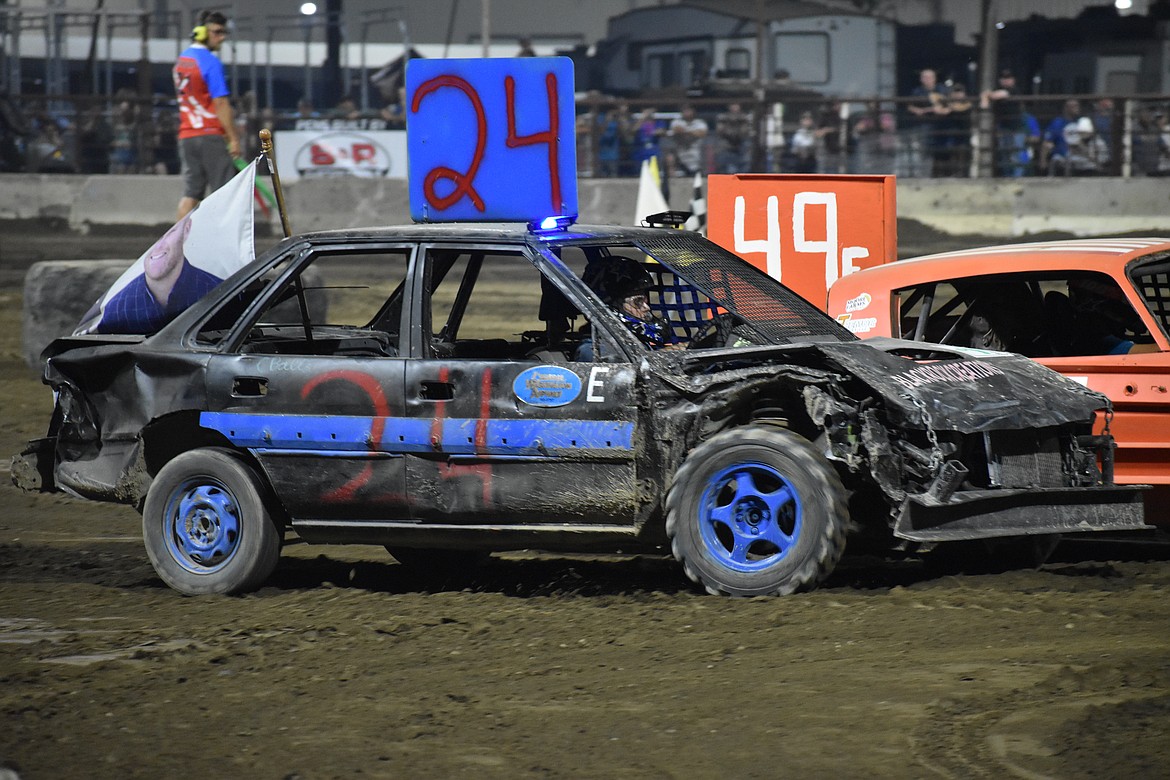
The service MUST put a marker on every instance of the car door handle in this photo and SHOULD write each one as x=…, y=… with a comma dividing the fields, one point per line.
x=436, y=391
x=252, y=386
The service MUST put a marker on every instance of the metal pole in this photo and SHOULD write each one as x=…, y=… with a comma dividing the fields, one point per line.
x=270, y=156
x=109, y=57
x=989, y=55
x=308, y=73
x=11, y=75
x=266, y=146
x=268, y=66
x=759, y=150
x=485, y=23
x=252, y=74
x=365, y=70
x=50, y=70
x=1127, y=138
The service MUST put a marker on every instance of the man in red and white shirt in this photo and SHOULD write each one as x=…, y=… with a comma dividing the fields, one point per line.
x=207, y=130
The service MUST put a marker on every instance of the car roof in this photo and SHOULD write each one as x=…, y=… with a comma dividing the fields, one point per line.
x=508, y=232
x=1106, y=255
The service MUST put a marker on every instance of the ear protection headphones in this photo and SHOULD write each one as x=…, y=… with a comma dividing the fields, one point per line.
x=199, y=33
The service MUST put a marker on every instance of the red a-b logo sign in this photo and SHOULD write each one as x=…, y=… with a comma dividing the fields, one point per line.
x=805, y=230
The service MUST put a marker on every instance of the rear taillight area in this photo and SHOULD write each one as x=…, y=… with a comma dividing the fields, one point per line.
x=74, y=419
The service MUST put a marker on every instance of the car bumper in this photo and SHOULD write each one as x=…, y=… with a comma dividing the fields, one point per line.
x=986, y=514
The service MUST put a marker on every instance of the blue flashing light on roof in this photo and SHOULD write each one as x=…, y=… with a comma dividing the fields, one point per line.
x=552, y=224
x=491, y=140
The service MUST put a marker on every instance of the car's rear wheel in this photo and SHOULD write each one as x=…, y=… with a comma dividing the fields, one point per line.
x=206, y=525
x=756, y=511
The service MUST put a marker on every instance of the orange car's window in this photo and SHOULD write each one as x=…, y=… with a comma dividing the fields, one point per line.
x=1037, y=315
x=943, y=302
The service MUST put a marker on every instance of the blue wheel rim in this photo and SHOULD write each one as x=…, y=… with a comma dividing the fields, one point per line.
x=202, y=525
x=749, y=517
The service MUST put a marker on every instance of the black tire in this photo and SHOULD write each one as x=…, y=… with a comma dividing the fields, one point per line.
x=767, y=489
x=207, y=526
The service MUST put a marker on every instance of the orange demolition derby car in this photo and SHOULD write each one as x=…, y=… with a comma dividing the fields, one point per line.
x=1097, y=311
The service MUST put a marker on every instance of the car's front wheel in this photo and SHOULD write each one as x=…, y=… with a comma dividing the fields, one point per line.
x=755, y=511
x=206, y=525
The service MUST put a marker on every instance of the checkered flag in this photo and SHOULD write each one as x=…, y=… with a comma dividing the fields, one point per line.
x=698, y=218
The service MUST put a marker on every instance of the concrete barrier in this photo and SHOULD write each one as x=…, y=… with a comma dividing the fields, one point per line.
x=998, y=208
x=1014, y=208
x=57, y=294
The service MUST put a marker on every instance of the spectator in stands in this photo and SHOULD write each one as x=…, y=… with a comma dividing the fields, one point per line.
x=804, y=145
x=774, y=140
x=1146, y=141
x=927, y=110
x=875, y=137
x=395, y=113
x=832, y=158
x=1010, y=133
x=166, y=141
x=124, y=152
x=734, y=129
x=688, y=132
x=1103, y=111
x=93, y=141
x=305, y=110
x=1070, y=142
x=15, y=131
x=955, y=134
x=647, y=136
x=610, y=129
x=49, y=152
x=1162, y=127
x=586, y=124
x=346, y=108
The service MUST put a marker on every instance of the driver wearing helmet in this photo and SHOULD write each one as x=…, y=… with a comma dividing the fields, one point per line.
x=624, y=285
x=1103, y=322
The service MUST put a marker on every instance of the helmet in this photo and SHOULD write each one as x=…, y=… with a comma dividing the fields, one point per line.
x=1103, y=300
x=615, y=278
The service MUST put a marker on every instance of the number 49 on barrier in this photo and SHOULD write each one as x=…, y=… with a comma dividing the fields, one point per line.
x=805, y=230
x=491, y=139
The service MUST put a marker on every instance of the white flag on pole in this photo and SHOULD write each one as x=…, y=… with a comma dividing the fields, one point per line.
x=650, y=198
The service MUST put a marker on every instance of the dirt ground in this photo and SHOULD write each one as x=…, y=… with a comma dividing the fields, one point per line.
x=541, y=666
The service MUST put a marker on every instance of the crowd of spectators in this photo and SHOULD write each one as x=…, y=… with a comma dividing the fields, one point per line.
x=926, y=134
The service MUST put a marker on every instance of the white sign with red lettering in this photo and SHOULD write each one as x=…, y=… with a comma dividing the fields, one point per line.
x=306, y=154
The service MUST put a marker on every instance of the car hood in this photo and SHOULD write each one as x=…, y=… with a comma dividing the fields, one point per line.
x=959, y=389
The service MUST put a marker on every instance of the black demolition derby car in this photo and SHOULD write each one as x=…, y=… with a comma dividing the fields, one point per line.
x=448, y=389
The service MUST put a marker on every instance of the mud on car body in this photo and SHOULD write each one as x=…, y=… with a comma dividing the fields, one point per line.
x=435, y=409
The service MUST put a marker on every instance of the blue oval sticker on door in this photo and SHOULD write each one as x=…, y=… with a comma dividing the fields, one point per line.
x=547, y=386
